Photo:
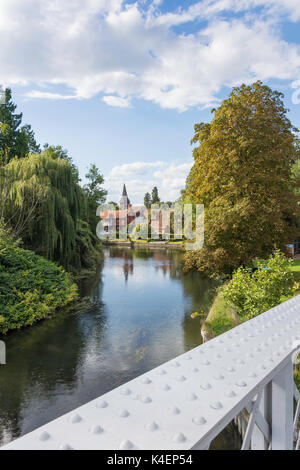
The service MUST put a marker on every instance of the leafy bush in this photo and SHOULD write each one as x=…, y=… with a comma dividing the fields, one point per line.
x=31, y=287
x=252, y=293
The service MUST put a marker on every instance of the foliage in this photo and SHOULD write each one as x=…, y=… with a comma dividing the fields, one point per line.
x=253, y=293
x=42, y=201
x=31, y=288
x=154, y=196
x=95, y=195
x=147, y=201
x=243, y=175
x=15, y=140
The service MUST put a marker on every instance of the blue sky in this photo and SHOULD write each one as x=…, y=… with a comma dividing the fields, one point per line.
x=121, y=84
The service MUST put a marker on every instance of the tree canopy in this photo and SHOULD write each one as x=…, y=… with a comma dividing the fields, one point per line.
x=41, y=199
x=243, y=175
x=16, y=140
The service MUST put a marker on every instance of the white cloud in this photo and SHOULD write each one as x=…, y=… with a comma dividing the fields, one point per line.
x=124, y=50
x=140, y=177
x=117, y=101
x=134, y=169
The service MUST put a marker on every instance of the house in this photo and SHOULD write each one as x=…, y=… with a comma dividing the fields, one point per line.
x=116, y=221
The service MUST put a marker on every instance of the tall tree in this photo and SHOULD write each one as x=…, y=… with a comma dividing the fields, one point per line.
x=15, y=140
x=243, y=175
x=95, y=194
x=147, y=200
x=154, y=196
x=42, y=202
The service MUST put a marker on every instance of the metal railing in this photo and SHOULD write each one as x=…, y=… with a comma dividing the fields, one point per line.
x=185, y=403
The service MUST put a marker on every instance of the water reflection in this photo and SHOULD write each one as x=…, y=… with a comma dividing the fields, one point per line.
x=138, y=317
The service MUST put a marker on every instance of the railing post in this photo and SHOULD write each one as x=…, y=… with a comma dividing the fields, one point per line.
x=258, y=440
x=282, y=409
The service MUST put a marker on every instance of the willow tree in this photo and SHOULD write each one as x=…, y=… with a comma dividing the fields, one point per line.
x=243, y=175
x=42, y=201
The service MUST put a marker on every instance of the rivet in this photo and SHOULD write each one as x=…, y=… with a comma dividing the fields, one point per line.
x=192, y=397
x=65, y=447
x=205, y=362
x=216, y=405
x=44, y=436
x=126, y=391
x=126, y=445
x=175, y=410
x=161, y=372
x=101, y=404
x=165, y=387
x=200, y=420
x=205, y=386
x=179, y=437
x=195, y=369
x=181, y=378
x=146, y=400
x=252, y=374
x=151, y=426
x=230, y=394
x=75, y=419
x=124, y=414
x=230, y=369
x=146, y=380
x=241, y=383
x=96, y=429
x=218, y=377
x=176, y=364
x=188, y=358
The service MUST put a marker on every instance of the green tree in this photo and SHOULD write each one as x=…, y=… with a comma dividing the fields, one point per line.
x=95, y=194
x=147, y=200
x=243, y=175
x=154, y=196
x=42, y=201
x=15, y=140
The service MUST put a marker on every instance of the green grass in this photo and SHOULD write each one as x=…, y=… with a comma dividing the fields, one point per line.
x=295, y=267
x=222, y=317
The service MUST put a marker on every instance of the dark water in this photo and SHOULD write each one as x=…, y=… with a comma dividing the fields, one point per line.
x=138, y=317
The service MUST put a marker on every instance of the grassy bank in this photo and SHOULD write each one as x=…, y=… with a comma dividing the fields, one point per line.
x=31, y=288
x=222, y=317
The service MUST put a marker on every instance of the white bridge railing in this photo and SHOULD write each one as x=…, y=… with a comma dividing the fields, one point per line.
x=185, y=403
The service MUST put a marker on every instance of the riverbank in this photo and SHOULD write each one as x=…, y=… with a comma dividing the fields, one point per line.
x=144, y=243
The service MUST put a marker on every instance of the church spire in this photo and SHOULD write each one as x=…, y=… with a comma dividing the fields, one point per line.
x=124, y=202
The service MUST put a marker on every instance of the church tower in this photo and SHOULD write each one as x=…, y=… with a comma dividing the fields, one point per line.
x=124, y=201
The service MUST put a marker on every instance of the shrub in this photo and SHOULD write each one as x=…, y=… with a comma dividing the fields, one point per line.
x=252, y=293
x=31, y=287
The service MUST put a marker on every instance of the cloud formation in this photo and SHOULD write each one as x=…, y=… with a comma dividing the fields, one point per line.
x=119, y=51
x=140, y=177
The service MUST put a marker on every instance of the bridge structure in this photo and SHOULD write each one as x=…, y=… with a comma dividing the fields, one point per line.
x=185, y=403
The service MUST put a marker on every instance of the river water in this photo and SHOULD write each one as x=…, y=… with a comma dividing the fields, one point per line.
x=138, y=315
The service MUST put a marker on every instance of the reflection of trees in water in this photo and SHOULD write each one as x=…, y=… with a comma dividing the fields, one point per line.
x=43, y=359
x=201, y=291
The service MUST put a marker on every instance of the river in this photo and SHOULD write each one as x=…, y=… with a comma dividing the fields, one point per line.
x=138, y=315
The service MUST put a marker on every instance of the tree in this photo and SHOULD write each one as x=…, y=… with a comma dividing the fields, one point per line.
x=42, y=202
x=154, y=196
x=147, y=200
x=15, y=140
x=243, y=175
x=95, y=194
